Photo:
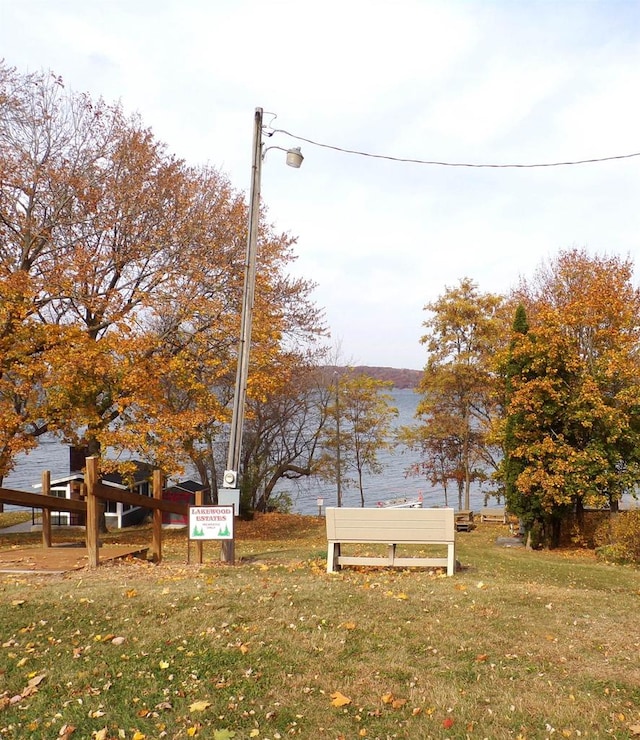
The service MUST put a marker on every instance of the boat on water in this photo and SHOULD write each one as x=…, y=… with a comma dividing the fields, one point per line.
x=403, y=502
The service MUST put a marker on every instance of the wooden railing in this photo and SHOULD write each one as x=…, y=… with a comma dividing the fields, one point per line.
x=95, y=492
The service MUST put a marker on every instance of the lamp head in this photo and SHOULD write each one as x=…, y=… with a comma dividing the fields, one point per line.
x=294, y=157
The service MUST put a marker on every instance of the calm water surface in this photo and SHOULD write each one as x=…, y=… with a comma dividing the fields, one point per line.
x=391, y=483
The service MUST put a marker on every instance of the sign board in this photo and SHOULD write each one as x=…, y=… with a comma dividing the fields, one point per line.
x=211, y=522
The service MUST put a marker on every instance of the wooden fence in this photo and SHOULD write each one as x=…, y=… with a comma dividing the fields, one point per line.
x=95, y=492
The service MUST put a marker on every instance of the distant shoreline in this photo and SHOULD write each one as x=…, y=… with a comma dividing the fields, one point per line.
x=400, y=377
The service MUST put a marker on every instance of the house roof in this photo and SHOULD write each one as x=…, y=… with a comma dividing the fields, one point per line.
x=191, y=486
x=64, y=480
x=141, y=473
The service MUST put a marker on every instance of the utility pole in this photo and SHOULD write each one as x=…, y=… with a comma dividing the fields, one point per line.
x=338, y=443
x=230, y=479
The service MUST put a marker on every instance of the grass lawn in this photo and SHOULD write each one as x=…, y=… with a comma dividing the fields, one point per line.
x=9, y=518
x=516, y=645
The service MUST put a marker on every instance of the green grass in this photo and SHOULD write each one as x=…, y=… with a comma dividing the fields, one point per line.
x=9, y=518
x=516, y=645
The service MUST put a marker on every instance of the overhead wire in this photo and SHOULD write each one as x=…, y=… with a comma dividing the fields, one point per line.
x=438, y=163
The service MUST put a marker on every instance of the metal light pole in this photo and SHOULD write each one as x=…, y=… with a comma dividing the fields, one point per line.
x=230, y=482
x=230, y=479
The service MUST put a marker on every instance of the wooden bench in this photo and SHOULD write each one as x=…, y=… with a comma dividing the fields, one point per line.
x=392, y=527
x=496, y=515
x=464, y=520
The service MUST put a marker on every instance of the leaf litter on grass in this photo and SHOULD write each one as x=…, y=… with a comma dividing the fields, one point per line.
x=309, y=635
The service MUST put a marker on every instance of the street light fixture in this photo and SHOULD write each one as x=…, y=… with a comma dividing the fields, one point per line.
x=230, y=480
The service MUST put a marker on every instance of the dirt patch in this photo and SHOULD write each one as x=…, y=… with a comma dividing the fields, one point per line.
x=60, y=558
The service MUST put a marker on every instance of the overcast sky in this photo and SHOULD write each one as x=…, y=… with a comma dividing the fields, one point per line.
x=469, y=82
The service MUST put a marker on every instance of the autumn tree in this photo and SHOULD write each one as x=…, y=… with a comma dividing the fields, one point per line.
x=126, y=266
x=441, y=453
x=282, y=441
x=458, y=389
x=574, y=409
x=362, y=411
x=26, y=211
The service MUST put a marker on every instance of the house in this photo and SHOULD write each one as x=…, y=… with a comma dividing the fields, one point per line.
x=183, y=492
x=117, y=514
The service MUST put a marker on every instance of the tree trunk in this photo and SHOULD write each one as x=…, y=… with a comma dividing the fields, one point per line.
x=465, y=453
x=580, y=513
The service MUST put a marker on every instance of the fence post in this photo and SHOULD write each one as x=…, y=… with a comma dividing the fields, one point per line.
x=199, y=543
x=91, y=478
x=46, y=513
x=156, y=545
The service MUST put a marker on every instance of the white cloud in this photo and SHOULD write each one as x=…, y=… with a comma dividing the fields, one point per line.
x=469, y=81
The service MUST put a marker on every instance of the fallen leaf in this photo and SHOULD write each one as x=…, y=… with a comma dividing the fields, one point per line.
x=254, y=733
x=387, y=698
x=137, y=735
x=447, y=723
x=199, y=706
x=17, y=602
x=163, y=664
x=66, y=731
x=223, y=734
x=37, y=680
x=339, y=700
x=100, y=734
x=398, y=703
x=349, y=625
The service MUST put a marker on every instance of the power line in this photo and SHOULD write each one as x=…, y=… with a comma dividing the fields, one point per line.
x=455, y=164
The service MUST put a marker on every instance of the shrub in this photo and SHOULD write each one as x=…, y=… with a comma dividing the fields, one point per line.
x=280, y=503
x=618, y=538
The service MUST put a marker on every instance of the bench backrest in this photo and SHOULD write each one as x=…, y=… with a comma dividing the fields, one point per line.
x=390, y=525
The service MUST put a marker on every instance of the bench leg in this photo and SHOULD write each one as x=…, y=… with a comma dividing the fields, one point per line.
x=333, y=556
x=451, y=559
x=392, y=554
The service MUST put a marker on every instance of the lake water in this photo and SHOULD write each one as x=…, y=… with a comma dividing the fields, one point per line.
x=391, y=483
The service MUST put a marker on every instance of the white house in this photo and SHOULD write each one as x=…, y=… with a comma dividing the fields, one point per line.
x=117, y=514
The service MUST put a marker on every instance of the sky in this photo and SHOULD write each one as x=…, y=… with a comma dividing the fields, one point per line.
x=472, y=82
